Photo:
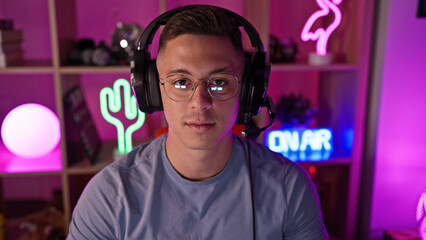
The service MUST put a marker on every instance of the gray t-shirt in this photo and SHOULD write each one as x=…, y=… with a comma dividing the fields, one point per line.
x=143, y=197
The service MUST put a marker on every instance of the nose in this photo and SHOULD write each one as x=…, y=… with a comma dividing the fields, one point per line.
x=201, y=99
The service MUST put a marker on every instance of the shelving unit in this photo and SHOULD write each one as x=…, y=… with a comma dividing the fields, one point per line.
x=341, y=87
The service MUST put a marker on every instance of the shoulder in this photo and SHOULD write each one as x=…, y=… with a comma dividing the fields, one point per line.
x=264, y=159
x=273, y=171
x=144, y=154
x=285, y=185
x=139, y=155
x=114, y=178
x=113, y=175
x=97, y=213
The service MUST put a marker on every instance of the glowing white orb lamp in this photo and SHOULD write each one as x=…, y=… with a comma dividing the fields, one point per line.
x=31, y=130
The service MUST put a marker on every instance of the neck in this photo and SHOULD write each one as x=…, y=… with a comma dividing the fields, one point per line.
x=199, y=164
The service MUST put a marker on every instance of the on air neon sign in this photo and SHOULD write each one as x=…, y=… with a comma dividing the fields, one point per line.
x=314, y=144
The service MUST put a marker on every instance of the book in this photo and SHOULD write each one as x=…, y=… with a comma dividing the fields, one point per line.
x=10, y=36
x=11, y=52
x=6, y=24
x=11, y=47
x=11, y=59
x=80, y=125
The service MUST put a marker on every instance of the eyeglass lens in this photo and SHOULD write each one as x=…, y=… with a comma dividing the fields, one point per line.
x=222, y=86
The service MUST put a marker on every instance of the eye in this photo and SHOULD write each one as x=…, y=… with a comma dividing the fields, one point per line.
x=219, y=82
x=180, y=82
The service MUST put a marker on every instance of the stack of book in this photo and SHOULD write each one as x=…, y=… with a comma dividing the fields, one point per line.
x=11, y=53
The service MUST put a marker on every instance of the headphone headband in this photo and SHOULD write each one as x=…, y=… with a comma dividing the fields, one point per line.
x=148, y=34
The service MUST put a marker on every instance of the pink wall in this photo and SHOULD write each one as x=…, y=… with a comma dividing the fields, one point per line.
x=287, y=20
x=97, y=19
x=36, y=32
x=400, y=171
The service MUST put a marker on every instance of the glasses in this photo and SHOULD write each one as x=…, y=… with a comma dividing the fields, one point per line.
x=220, y=86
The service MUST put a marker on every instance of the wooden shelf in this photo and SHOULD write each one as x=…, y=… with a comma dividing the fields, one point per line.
x=104, y=157
x=31, y=173
x=94, y=69
x=85, y=166
x=12, y=165
x=308, y=67
x=29, y=67
x=332, y=161
x=335, y=158
x=46, y=67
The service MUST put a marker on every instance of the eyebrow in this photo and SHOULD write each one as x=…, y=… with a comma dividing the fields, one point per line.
x=185, y=71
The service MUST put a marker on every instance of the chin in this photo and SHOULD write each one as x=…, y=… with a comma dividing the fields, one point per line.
x=204, y=141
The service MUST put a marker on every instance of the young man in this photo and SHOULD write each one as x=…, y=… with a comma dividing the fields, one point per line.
x=195, y=181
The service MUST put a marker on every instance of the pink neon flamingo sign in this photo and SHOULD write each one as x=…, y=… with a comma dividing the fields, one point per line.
x=421, y=215
x=322, y=35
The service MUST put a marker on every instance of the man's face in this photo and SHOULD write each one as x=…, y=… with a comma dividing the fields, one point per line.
x=201, y=122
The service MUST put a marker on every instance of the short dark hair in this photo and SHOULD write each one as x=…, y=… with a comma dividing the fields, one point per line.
x=202, y=20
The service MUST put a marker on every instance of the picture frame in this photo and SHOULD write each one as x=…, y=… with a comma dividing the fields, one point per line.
x=82, y=136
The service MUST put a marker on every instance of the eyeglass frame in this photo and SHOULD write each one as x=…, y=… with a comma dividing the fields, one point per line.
x=196, y=83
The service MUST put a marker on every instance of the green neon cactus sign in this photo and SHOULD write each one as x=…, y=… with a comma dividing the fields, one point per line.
x=110, y=99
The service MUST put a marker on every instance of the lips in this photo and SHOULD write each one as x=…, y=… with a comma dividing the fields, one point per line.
x=200, y=127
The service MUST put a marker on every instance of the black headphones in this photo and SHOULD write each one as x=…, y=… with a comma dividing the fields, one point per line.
x=145, y=80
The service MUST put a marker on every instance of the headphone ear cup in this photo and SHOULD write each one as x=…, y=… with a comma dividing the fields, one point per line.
x=253, y=90
x=146, y=83
x=246, y=86
x=154, y=93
